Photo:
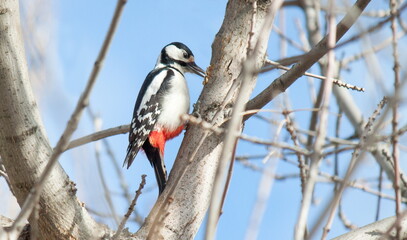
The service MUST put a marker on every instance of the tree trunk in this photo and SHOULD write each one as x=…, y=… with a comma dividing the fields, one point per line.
x=24, y=146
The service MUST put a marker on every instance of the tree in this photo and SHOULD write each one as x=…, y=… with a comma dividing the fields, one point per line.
x=201, y=173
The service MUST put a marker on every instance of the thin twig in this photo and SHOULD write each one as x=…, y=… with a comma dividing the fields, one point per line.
x=284, y=61
x=228, y=179
x=379, y=198
x=63, y=142
x=252, y=111
x=402, y=23
x=131, y=207
x=337, y=82
x=348, y=224
x=300, y=157
x=262, y=197
x=98, y=213
x=265, y=187
x=123, y=184
x=281, y=145
x=395, y=105
x=373, y=14
x=116, y=165
x=333, y=140
x=289, y=40
x=34, y=227
x=97, y=121
x=202, y=123
x=250, y=42
x=302, y=35
x=399, y=132
x=336, y=146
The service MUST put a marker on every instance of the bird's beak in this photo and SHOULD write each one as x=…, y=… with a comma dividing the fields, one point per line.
x=196, y=69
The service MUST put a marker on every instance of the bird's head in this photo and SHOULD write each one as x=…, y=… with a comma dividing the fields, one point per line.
x=179, y=56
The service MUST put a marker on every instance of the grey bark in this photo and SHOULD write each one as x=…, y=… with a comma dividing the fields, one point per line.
x=377, y=231
x=24, y=146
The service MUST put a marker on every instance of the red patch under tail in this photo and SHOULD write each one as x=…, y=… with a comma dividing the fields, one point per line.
x=158, y=138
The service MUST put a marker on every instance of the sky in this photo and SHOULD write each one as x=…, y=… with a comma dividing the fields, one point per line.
x=78, y=30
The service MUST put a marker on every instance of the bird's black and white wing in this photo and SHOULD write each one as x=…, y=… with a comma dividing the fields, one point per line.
x=147, y=109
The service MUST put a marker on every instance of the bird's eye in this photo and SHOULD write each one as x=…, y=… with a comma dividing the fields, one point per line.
x=185, y=55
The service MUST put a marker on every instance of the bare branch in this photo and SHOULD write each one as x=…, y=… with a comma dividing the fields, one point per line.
x=263, y=194
x=374, y=14
x=275, y=144
x=337, y=82
x=131, y=207
x=301, y=161
x=379, y=198
x=102, y=135
x=289, y=40
x=122, y=129
x=348, y=224
x=395, y=105
x=97, y=122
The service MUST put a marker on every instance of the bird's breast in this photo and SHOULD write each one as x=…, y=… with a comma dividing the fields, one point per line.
x=174, y=103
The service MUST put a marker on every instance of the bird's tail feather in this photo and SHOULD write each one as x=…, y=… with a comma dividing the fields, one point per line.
x=131, y=154
x=157, y=161
x=160, y=175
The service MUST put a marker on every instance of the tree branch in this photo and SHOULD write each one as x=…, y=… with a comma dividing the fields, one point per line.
x=122, y=129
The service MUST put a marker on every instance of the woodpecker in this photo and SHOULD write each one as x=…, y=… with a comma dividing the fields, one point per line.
x=162, y=99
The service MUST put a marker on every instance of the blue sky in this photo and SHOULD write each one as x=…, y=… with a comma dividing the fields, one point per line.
x=145, y=28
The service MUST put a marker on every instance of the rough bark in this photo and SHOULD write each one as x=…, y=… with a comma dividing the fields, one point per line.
x=377, y=230
x=189, y=201
x=24, y=146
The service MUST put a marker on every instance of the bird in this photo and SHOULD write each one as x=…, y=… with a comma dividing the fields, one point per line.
x=162, y=99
